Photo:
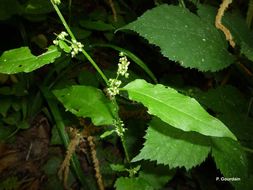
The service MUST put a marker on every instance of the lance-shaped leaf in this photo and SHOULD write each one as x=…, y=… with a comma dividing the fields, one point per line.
x=87, y=101
x=170, y=146
x=183, y=37
x=22, y=60
x=178, y=110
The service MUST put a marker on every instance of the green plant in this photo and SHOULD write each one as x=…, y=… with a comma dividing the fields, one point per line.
x=180, y=133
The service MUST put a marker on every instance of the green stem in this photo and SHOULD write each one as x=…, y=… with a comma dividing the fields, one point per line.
x=122, y=138
x=181, y=2
x=247, y=149
x=65, y=139
x=63, y=21
x=125, y=148
x=73, y=38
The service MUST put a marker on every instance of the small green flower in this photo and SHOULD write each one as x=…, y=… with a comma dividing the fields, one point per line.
x=76, y=47
x=120, y=130
x=113, y=87
x=56, y=42
x=123, y=65
x=113, y=84
x=62, y=35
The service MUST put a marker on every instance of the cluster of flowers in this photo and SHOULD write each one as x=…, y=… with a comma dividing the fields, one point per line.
x=113, y=87
x=123, y=65
x=119, y=128
x=114, y=84
x=75, y=47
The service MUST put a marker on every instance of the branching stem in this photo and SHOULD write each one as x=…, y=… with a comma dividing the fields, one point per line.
x=73, y=38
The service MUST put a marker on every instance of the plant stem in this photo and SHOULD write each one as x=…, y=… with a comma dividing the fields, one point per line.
x=182, y=4
x=73, y=38
x=247, y=149
x=94, y=65
x=125, y=148
x=122, y=138
x=63, y=21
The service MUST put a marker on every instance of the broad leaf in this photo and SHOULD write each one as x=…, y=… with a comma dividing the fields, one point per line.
x=21, y=60
x=236, y=23
x=232, y=162
x=87, y=101
x=38, y=7
x=156, y=175
x=183, y=37
x=124, y=183
x=247, y=51
x=173, y=147
x=178, y=110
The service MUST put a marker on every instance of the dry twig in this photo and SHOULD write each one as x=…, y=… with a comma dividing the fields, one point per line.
x=223, y=6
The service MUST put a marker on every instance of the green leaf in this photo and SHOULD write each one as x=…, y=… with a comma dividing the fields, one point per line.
x=156, y=175
x=118, y=167
x=96, y=25
x=106, y=134
x=169, y=146
x=247, y=51
x=38, y=7
x=64, y=46
x=178, y=110
x=124, y=183
x=21, y=60
x=232, y=161
x=183, y=37
x=87, y=101
x=237, y=25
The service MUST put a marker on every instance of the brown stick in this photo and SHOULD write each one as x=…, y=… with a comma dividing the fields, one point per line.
x=223, y=6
